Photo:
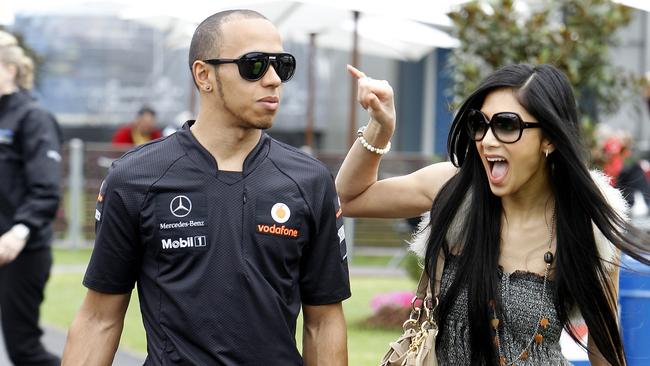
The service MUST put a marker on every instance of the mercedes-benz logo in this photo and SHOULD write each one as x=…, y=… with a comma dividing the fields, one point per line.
x=180, y=206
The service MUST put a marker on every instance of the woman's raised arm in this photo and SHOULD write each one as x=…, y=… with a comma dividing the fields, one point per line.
x=360, y=192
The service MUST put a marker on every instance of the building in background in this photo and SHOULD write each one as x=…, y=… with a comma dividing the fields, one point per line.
x=97, y=70
x=633, y=54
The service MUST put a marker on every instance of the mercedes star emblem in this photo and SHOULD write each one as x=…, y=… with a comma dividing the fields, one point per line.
x=180, y=206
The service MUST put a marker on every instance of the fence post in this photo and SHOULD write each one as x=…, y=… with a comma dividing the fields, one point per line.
x=348, y=223
x=75, y=210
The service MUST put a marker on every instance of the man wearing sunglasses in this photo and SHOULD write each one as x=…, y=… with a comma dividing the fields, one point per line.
x=227, y=232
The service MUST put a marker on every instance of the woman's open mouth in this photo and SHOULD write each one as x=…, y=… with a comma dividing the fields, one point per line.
x=498, y=168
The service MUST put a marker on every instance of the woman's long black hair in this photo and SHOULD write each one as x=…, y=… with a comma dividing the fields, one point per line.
x=580, y=275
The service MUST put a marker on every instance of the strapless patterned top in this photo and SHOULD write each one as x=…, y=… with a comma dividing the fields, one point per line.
x=522, y=297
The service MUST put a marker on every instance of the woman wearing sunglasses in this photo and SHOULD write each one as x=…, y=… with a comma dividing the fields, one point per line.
x=523, y=239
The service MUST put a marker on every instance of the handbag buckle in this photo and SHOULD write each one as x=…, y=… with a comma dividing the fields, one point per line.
x=413, y=319
x=414, y=302
x=429, y=308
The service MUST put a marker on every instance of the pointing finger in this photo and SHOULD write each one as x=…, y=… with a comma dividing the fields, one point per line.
x=355, y=72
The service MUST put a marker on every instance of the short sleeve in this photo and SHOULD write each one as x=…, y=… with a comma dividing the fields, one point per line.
x=115, y=262
x=324, y=268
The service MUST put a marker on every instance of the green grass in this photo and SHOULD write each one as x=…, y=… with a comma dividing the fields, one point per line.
x=359, y=260
x=65, y=293
x=72, y=256
x=367, y=346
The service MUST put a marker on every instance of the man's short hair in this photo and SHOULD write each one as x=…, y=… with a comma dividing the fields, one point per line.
x=146, y=109
x=207, y=38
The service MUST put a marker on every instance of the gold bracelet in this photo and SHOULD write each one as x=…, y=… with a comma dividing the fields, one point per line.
x=369, y=147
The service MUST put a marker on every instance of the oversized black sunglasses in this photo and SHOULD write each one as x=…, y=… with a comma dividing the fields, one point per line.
x=507, y=127
x=253, y=65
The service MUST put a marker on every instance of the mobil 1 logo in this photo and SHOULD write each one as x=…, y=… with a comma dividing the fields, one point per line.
x=181, y=221
x=188, y=242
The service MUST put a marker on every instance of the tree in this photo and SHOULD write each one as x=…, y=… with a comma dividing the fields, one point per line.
x=573, y=35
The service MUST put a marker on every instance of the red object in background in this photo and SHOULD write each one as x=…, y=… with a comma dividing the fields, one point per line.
x=123, y=136
x=613, y=146
x=613, y=168
x=617, y=153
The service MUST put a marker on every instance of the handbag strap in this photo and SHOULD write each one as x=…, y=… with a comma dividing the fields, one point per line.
x=423, y=290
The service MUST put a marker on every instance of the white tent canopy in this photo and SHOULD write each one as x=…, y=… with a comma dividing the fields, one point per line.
x=382, y=30
x=387, y=29
x=638, y=4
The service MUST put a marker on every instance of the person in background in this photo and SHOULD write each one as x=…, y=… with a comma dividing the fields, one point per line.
x=635, y=187
x=614, y=151
x=30, y=172
x=142, y=130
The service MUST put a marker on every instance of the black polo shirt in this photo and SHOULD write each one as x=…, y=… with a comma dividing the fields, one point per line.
x=223, y=260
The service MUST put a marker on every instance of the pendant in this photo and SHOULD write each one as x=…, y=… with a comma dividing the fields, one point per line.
x=544, y=323
x=548, y=257
x=495, y=323
x=523, y=355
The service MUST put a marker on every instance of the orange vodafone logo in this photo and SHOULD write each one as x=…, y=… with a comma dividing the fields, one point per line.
x=280, y=213
x=279, y=230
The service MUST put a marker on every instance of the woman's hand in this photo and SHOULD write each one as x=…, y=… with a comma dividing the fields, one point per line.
x=376, y=96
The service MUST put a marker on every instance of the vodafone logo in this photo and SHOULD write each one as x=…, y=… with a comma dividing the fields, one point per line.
x=278, y=230
x=280, y=213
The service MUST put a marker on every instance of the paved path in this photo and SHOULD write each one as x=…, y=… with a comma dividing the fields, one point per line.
x=376, y=271
x=54, y=341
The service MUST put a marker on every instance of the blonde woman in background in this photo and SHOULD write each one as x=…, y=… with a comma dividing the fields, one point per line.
x=29, y=196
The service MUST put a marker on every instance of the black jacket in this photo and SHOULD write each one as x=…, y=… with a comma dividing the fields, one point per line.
x=30, y=167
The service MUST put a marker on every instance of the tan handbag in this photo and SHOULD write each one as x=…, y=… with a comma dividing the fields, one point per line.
x=417, y=345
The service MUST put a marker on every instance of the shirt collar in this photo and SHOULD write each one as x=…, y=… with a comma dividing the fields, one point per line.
x=205, y=160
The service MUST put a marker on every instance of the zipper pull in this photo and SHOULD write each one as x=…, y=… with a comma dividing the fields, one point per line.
x=244, y=195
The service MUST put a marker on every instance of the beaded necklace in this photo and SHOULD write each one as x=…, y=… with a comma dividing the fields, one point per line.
x=542, y=320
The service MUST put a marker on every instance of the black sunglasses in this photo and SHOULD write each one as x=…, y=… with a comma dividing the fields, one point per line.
x=253, y=65
x=507, y=127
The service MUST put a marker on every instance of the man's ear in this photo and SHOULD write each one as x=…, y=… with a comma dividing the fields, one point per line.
x=201, y=74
